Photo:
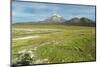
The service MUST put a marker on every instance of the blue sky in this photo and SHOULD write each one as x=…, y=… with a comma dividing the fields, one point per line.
x=27, y=11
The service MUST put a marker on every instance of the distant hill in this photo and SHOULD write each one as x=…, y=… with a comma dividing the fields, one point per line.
x=80, y=22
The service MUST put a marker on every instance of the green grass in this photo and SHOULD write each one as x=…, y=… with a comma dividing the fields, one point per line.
x=65, y=44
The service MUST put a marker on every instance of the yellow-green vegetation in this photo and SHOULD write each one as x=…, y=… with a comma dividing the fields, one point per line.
x=55, y=43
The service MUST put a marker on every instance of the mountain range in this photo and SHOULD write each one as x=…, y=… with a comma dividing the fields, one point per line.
x=83, y=21
x=58, y=19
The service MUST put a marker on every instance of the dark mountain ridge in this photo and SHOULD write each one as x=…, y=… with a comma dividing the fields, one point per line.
x=83, y=21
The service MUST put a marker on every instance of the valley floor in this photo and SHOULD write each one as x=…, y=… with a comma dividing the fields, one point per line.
x=54, y=43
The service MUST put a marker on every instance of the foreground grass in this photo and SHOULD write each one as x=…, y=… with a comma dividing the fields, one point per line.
x=65, y=44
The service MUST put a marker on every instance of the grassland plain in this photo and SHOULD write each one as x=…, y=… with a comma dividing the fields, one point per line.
x=56, y=43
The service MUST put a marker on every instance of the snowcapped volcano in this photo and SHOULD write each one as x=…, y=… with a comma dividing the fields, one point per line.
x=55, y=18
x=56, y=15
